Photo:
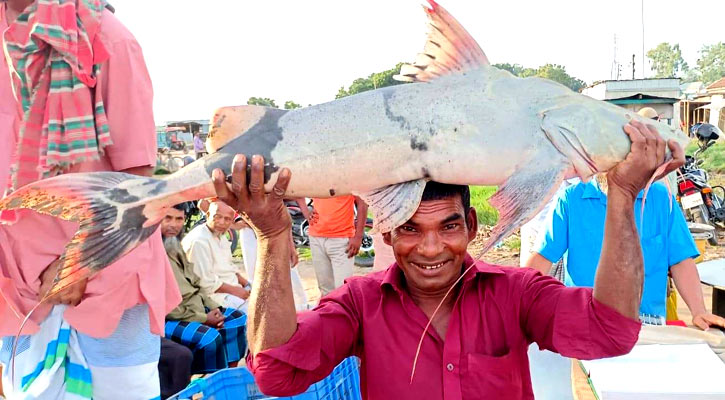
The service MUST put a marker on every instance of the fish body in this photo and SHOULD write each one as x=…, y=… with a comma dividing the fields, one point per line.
x=460, y=121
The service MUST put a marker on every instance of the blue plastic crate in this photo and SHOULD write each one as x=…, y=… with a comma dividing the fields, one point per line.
x=238, y=384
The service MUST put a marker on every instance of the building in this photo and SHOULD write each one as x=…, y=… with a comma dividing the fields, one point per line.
x=706, y=105
x=662, y=94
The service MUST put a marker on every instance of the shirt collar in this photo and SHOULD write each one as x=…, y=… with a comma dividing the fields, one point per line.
x=593, y=191
x=395, y=278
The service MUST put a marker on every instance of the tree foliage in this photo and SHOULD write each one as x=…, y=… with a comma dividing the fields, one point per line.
x=667, y=61
x=711, y=64
x=261, y=101
x=291, y=105
x=373, y=81
x=553, y=72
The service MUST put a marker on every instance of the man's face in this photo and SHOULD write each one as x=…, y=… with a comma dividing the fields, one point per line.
x=431, y=246
x=220, y=218
x=173, y=223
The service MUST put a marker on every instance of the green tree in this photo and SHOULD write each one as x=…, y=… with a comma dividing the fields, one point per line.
x=291, y=105
x=557, y=73
x=516, y=69
x=553, y=72
x=667, y=61
x=373, y=81
x=712, y=63
x=261, y=101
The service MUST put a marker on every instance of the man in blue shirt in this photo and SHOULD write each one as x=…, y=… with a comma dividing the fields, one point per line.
x=575, y=230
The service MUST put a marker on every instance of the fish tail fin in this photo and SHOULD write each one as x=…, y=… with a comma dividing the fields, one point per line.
x=116, y=212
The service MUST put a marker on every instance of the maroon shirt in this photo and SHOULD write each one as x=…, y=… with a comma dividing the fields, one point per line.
x=499, y=311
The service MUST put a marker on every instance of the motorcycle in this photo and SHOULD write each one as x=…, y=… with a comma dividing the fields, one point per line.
x=701, y=202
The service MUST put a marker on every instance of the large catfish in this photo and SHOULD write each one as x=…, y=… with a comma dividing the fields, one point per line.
x=460, y=121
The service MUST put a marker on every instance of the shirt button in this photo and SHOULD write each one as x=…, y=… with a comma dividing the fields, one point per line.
x=449, y=367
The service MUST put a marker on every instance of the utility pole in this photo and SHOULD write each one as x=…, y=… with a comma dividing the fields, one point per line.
x=643, y=59
x=633, y=57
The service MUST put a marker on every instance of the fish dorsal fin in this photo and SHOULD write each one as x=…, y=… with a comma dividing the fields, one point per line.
x=448, y=49
x=229, y=123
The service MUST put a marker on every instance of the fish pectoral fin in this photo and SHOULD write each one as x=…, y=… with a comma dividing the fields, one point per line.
x=228, y=123
x=523, y=195
x=448, y=49
x=393, y=205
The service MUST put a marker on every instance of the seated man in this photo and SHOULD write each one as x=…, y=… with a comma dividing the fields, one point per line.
x=476, y=345
x=575, y=230
x=214, y=334
x=208, y=250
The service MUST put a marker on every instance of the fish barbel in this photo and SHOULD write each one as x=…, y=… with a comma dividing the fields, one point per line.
x=459, y=121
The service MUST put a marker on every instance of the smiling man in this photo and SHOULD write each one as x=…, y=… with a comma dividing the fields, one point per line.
x=476, y=347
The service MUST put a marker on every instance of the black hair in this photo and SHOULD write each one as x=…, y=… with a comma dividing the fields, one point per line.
x=439, y=191
x=180, y=207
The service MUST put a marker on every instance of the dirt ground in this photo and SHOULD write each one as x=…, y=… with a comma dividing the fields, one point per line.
x=505, y=256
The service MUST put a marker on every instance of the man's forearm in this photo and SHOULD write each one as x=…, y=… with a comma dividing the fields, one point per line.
x=229, y=289
x=272, y=316
x=143, y=171
x=619, y=277
x=362, y=217
x=687, y=281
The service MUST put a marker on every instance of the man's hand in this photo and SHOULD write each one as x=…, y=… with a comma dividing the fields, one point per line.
x=647, y=153
x=71, y=295
x=242, y=282
x=353, y=246
x=240, y=292
x=314, y=217
x=215, y=319
x=705, y=320
x=264, y=212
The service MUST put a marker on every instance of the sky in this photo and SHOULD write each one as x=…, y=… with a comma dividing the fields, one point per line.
x=211, y=53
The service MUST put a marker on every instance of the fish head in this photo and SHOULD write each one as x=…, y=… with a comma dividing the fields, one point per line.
x=591, y=133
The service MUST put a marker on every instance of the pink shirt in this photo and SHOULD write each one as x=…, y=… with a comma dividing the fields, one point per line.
x=498, y=312
x=27, y=247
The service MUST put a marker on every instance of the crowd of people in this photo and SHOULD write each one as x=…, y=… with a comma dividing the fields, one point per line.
x=179, y=305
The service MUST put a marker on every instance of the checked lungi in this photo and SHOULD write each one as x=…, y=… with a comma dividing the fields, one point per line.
x=213, y=348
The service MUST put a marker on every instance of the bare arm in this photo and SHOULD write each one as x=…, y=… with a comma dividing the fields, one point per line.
x=539, y=263
x=303, y=208
x=353, y=246
x=272, y=316
x=687, y=281
x=142, y=171
x=620, y=273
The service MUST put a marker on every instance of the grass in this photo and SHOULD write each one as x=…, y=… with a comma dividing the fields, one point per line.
x=713, y=158
x=304, y=253
x=487, y=215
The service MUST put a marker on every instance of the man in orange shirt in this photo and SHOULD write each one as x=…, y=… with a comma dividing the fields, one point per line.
x=335, y=238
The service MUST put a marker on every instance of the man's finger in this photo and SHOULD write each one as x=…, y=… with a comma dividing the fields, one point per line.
x=678, y=153
x=220, y=186
x=239, y=180
x=634, y=135
x=280, y=187
x=256, y=182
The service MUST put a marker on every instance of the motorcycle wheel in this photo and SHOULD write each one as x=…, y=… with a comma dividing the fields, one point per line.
x=366, y=256
x=699, y=214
